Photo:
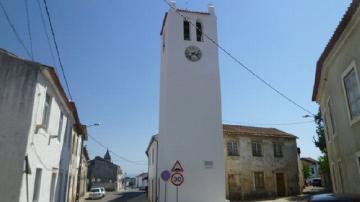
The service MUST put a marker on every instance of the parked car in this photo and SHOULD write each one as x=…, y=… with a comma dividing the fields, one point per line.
x=316, y=182
x=334, y=197
x=103, y=191
x=95, y=193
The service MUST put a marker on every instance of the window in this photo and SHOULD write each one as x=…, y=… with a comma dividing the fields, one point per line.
x=259, y=180
x=186, y=30
x=37, y=184
x=46, y=112
x=256, y=149
x=52, y=186
x=199, y=32
x=352, y=91
x=232, y=148
x=278, y=152
x=312, y=170
x=329, y=106
x=340, y=175
x=327, y=131
x=60, y=125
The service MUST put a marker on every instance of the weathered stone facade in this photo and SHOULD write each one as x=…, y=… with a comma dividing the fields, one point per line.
x=253, y=168
x=103, y=173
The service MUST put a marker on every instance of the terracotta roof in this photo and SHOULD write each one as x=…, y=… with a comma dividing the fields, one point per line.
x=309, y=159
x=331, y=44
x=255, y=131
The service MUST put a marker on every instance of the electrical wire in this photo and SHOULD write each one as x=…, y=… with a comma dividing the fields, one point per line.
x=117, y=155
x=14, y=30
x=29, y=28
x=242, y=64
x=46, y=33
x=57, y=50
x=270, y=124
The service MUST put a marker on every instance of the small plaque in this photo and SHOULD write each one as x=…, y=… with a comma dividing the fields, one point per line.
x=208, y=164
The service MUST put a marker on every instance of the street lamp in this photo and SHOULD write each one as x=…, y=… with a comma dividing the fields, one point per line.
x=94, y=124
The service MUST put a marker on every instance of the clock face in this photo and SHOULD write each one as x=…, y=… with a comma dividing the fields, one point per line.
x=193, y=53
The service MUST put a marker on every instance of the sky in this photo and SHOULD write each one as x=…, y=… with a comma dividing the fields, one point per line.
x=110, y=50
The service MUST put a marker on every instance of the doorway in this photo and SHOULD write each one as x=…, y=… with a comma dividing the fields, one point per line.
x=280, y=184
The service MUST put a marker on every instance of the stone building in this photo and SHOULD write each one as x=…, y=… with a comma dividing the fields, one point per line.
x=103, y=173
x=337, y=91
x=37, y=122
x=259, y=162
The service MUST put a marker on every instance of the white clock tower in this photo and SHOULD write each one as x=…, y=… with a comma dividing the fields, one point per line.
x=190, y=108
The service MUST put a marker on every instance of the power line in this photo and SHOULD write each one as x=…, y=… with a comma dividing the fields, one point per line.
x=242, y=64
x=29, y=28
x=271, y=124
x=117, y=155
x=46, y=33
x=14, y=30
x=57, y=50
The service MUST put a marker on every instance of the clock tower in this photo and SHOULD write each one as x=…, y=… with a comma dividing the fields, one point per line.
x=190, y=126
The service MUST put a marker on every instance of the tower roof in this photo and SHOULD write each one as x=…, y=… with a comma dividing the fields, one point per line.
x=107, y=156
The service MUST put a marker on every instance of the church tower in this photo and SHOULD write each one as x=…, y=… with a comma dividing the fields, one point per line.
x=190, y=126
x=107, y=156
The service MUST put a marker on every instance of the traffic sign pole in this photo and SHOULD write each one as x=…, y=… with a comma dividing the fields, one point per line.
x=177, y=194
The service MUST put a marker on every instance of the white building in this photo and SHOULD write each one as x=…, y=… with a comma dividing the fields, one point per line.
x=141, y=180
x=337, y=91
x=313, y=167
x=36, y=120
x=190, y=129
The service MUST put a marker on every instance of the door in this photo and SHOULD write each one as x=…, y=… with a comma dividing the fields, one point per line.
x=234, y=187
x=280, y=184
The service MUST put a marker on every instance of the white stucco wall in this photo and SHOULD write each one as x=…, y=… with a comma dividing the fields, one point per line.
x=152, y=170
x=343, y=145
x=43, y=150
x=190, y=112
x=18, y=79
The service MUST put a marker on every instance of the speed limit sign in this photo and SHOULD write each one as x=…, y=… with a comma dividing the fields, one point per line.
x=177, y=179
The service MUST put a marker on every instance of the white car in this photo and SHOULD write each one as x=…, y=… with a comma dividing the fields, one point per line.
x=103, y=191
x=96, y=193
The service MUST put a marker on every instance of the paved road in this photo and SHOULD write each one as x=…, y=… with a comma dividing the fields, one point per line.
x=131, y=196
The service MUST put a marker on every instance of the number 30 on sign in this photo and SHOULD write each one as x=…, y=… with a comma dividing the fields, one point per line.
x=177, y=179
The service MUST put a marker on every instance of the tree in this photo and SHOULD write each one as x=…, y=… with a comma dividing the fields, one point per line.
x=320, y=141
x=306, y=171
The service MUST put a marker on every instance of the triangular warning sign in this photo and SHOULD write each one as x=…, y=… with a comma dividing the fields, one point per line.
x=177, y=167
